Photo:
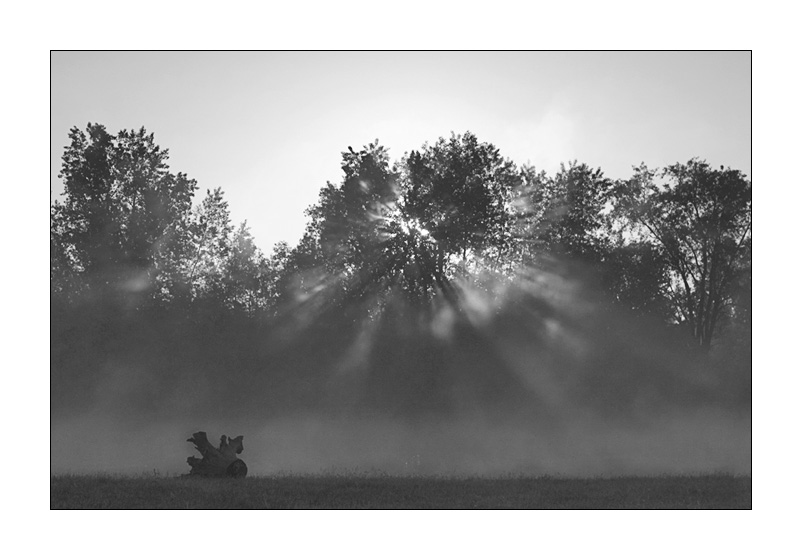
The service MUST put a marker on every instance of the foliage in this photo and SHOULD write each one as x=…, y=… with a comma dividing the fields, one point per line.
x=407, y=228
x=122, y=224
x=574, y=221
x=459, y=192
x=248, y=274
x=125, y=231
x=701, y=221
x=343, y=250
x=637, y=277
x=210, y=246
x=410, y=273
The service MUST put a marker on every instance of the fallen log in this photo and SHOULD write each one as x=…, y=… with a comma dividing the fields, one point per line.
x=218, y=461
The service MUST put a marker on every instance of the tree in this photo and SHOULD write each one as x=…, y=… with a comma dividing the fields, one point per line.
x=412, y=227
x=210, y=231
x=351, y=217
x=575, y=213
x=248, y=274
x=637, y=277
x=458, y=191
x=62, y=262
x=122, y=223
x=565, y=215
x=701, y=221
x=345, y=246
x=277, y=264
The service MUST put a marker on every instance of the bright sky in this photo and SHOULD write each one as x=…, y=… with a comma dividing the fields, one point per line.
x=269, y=127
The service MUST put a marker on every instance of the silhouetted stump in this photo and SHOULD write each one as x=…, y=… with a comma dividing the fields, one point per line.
x=219, y=461
x=237, y=469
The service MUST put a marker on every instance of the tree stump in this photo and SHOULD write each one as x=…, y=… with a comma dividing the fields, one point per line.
x=219, y=461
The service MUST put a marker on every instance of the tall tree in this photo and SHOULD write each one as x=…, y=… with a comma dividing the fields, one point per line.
x=344, y=246
x=210, y=245
x=248, y=274
x=457, y=192
x=352, y=215
x=575, y=212
x=123, y=216
x=700, y=218
x=564, y=215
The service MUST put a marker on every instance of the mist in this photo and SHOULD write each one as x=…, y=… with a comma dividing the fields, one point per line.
x=537, y=376
x=706, y=441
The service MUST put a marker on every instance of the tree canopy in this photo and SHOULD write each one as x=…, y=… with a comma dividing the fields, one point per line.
x=125, y=229
x=673, y=244
x=700, y=222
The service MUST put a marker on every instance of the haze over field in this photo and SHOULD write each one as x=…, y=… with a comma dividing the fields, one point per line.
x=520, y=388
x=443, y=307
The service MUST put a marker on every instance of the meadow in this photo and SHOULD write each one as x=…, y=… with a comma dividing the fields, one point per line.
x=379, y=491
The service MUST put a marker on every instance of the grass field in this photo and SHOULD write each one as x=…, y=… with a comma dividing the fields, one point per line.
x=715, y=491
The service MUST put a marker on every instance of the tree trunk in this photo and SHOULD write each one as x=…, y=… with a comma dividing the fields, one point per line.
x=219, y=461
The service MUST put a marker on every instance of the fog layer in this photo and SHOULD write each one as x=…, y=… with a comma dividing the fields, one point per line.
x=532, y=378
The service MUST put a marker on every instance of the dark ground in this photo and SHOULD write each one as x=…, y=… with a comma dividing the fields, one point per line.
x=714, y=491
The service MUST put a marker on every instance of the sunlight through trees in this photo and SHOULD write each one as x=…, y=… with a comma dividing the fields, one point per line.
x=406, y=270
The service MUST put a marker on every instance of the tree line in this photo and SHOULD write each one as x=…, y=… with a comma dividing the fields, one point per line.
x=671, y=243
